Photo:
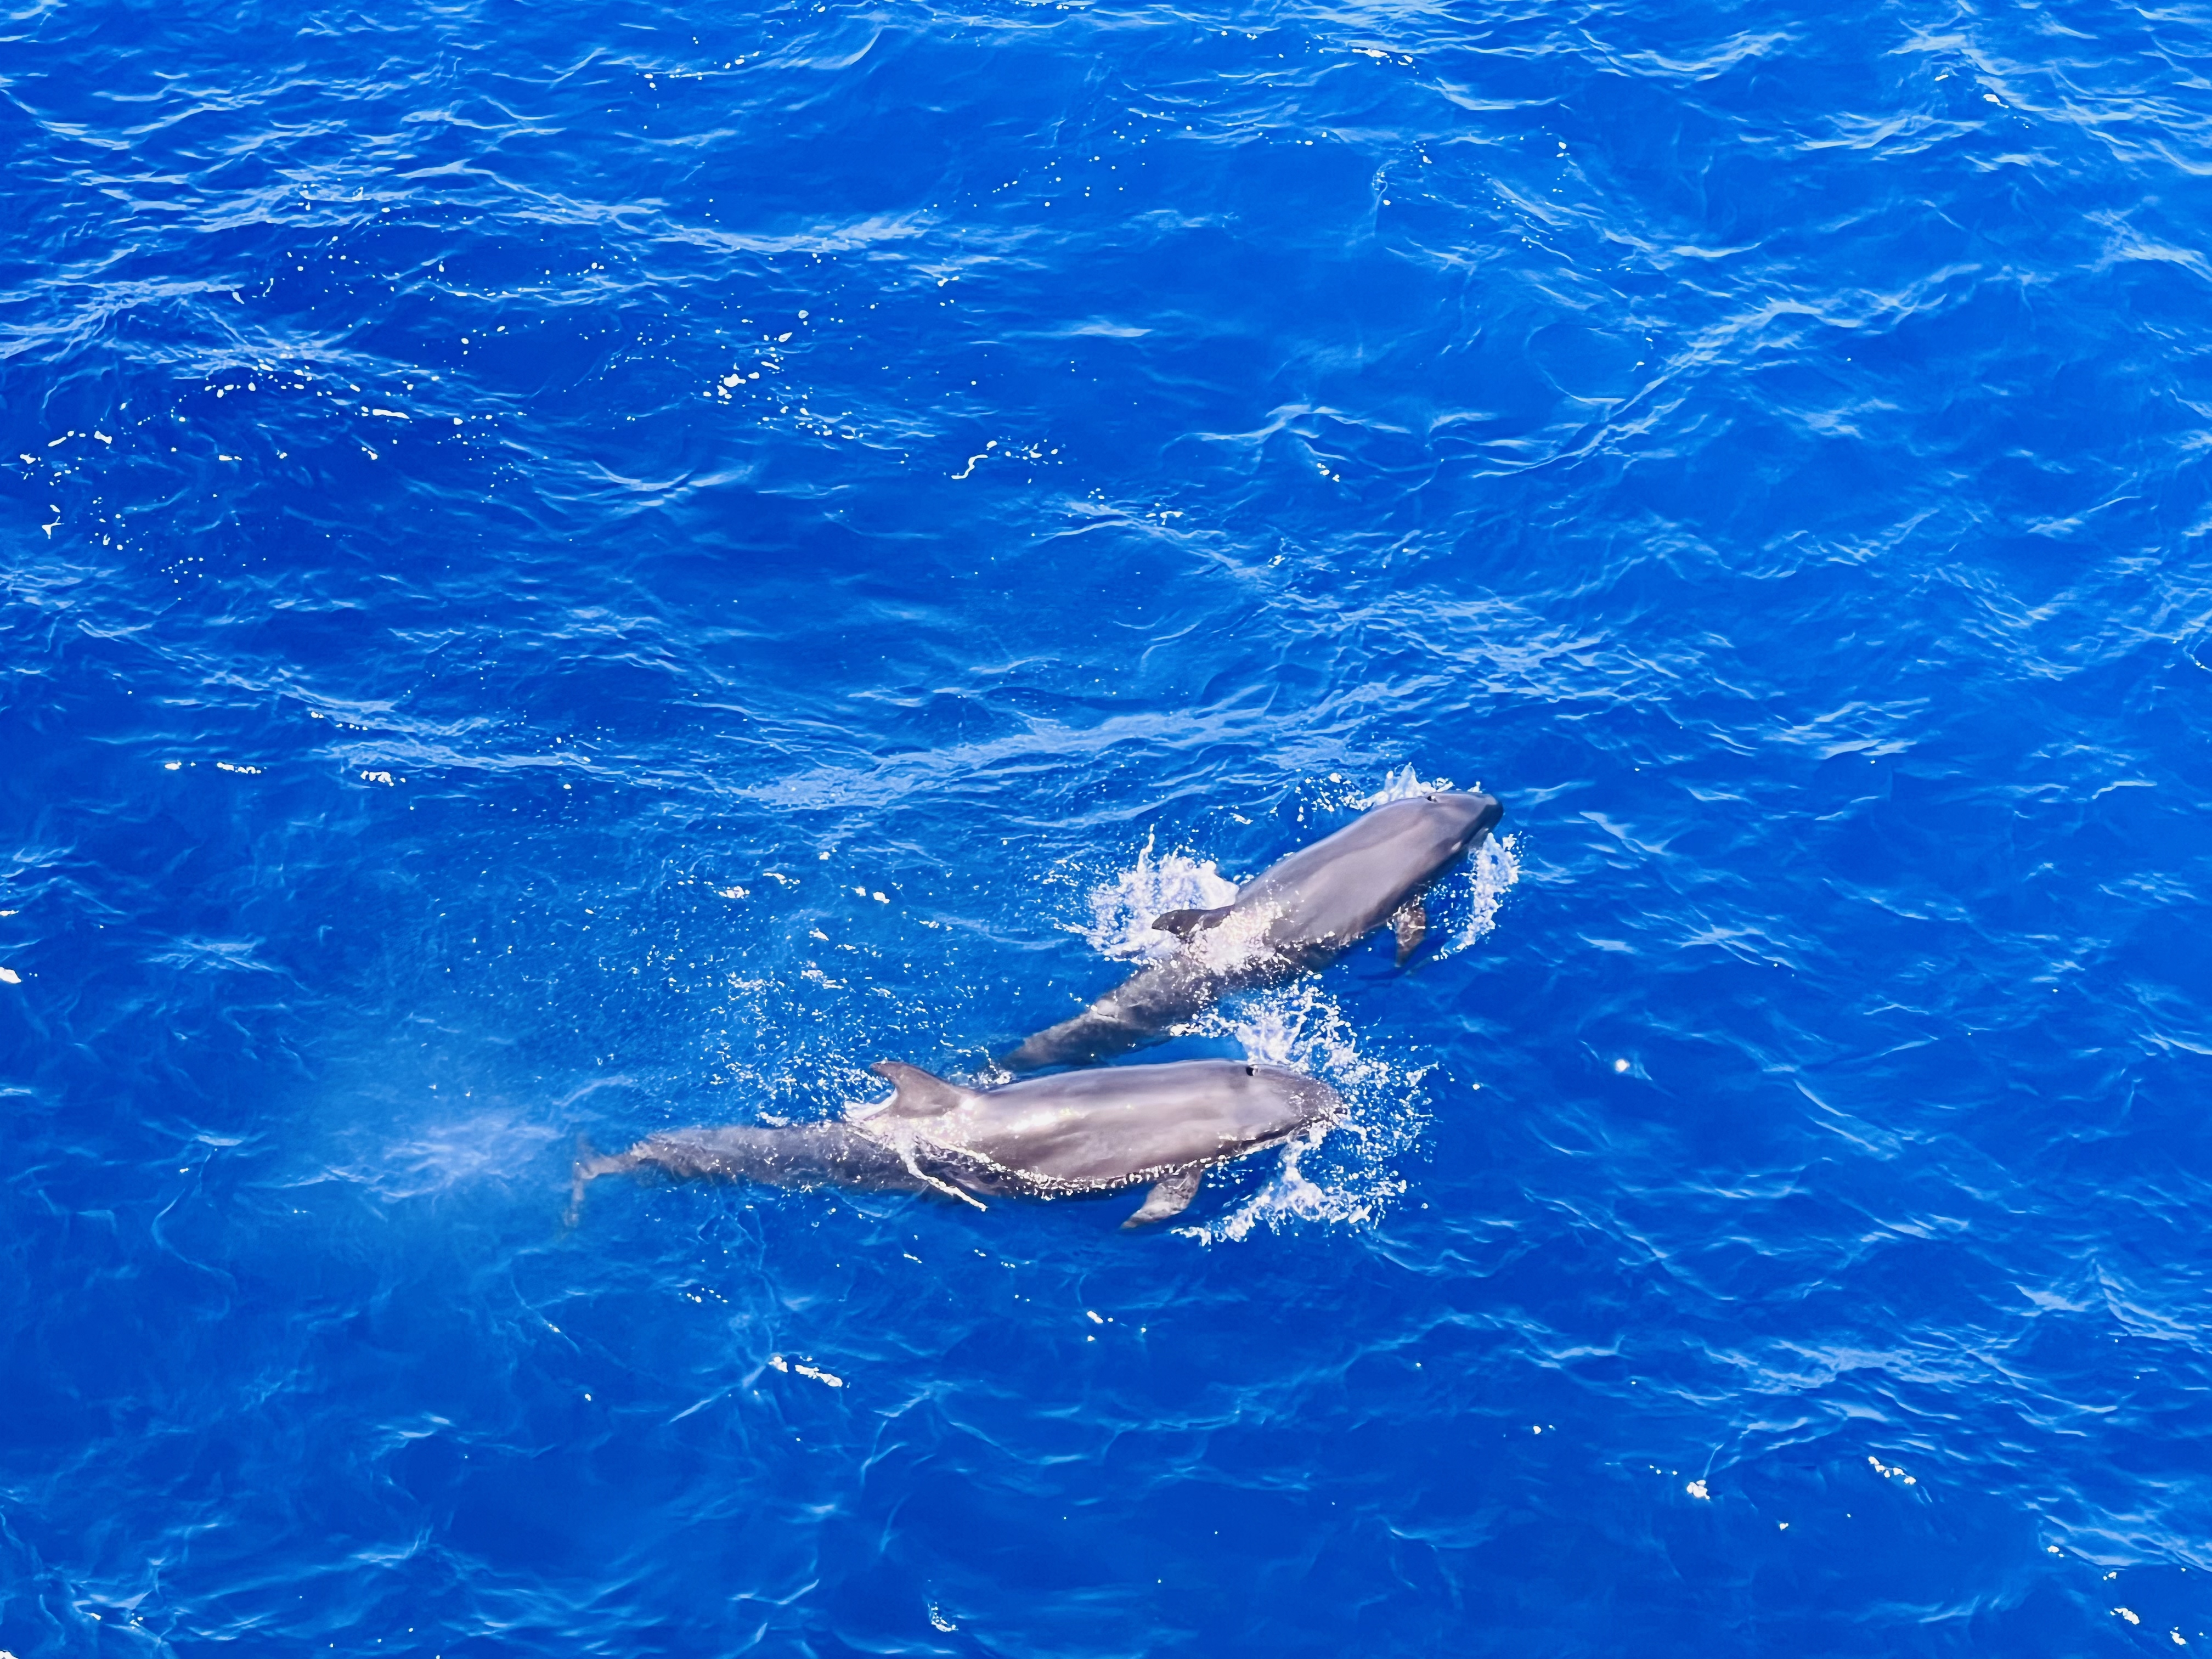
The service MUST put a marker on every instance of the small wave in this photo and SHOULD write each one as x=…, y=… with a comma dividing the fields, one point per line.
x=1342, y=1175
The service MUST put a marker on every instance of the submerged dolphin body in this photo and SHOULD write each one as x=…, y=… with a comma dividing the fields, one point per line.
x=1299, y=915
x=1083, y=1132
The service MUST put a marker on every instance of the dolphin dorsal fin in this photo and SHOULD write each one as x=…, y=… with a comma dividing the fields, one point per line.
x=1184, y=923
x=919, y=1093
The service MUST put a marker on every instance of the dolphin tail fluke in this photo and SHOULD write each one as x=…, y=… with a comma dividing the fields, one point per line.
x=591, y=1163
x=1168, y=1199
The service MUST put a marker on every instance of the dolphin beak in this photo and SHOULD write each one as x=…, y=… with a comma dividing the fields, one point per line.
x=1488, y=810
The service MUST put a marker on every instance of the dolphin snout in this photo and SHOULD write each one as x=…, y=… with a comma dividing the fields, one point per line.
x=1478, y=814
x=1315, y=1099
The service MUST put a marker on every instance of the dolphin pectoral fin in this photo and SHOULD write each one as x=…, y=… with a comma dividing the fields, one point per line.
x=1168, y=1199
x=1183, y=923
x=1411, y=924
x=920, y=1094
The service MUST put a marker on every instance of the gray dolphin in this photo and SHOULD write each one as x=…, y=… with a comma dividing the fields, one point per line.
x=1081, y=1132
x=1299, y=915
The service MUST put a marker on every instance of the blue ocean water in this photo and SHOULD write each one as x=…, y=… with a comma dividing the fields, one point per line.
x=585, y=569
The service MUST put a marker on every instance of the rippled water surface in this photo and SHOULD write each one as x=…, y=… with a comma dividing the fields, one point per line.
x=576, y=570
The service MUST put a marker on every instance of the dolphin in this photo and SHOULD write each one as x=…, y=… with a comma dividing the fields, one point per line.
x=1298, y=916
x=1080, y=1132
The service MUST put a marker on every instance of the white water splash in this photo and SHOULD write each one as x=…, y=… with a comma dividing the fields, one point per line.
x=1123, y=911
x=1343, y=1174
x=1403, y=785
x=1471, y=895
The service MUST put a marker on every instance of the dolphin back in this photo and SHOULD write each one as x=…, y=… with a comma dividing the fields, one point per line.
x=1324, y=898
x=1142, y=1009
x=1092, y=1130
